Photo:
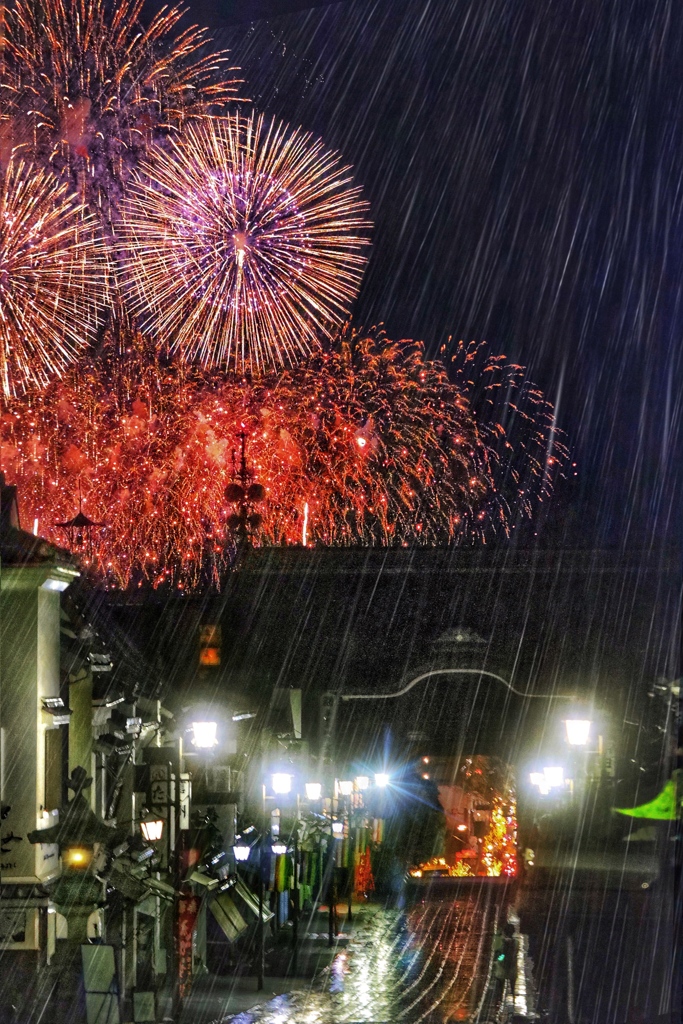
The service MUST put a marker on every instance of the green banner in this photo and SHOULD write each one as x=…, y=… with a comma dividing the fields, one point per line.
x=665, y=807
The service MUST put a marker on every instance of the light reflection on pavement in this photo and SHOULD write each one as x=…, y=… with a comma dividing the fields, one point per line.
x=427, y=965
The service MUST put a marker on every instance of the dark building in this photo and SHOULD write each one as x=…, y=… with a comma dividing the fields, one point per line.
x=600, y=625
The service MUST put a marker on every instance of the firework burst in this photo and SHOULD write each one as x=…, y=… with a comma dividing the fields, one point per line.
x=527, y=451
x=87, y=87
x=365, y=443
x=53, y=277
x=242, y=243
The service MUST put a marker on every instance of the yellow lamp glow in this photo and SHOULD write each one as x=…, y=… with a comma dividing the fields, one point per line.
x=78, y=857
x=152, y=829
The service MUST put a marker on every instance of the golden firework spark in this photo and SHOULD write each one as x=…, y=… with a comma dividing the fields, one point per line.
x=87, y=86
x=53, y=277
x=243, y=243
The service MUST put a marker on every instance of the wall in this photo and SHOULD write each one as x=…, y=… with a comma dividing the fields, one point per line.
x=29, y=633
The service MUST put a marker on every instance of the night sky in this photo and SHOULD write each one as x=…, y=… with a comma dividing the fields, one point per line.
x=523, y=163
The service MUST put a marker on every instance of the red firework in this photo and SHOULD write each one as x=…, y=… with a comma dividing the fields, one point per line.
x=367, y=442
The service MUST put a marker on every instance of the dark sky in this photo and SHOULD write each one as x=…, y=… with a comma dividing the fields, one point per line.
x=523, y=162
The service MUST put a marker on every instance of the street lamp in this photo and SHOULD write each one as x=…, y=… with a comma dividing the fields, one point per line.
x=381, y=779
x=313, y=790
x=78, y=857
x=204, y=735
x=281, y=783
x=152, y=828
x=362, y=782
x=241, y=853
x=554, y=777
x=346, y=788
x=577, y=731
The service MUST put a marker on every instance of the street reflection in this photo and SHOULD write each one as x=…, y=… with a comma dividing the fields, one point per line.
x=426, y=965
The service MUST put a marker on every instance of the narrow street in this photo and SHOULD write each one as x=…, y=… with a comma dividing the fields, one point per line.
x=428, y=963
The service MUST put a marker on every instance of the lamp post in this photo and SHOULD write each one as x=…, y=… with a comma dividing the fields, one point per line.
x=331, y=898
x=346, y=790
x=260, y=967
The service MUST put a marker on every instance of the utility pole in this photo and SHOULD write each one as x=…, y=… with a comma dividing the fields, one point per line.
x=295, y=890
x=260, y=967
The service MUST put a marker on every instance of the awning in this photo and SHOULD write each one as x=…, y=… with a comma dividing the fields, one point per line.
x=227, y=915
x=138, y=889
x=250, y=901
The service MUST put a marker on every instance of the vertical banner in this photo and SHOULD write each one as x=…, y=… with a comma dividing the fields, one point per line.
x=185, y=801
x=188, y=909
x=158, y=798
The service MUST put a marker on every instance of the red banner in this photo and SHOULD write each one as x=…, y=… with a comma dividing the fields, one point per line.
x=188, y=908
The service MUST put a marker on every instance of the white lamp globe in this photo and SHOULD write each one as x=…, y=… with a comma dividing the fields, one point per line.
x=281, y=783
x=578, y=731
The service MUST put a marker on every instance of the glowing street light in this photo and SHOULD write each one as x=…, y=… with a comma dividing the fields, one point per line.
x=554, y=777
x=313, y=790
x=338, y=828
x=578, y=731
x=281, y=783
x=362, y=782
x=346, y=788
x=152, y=829
x=278, y=849
x=241, y=852
x=538, y=779
x=78, y=857
x=381, y=779
x=204, y=735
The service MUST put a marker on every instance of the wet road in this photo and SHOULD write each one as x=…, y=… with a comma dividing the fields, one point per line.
x=426, y=965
